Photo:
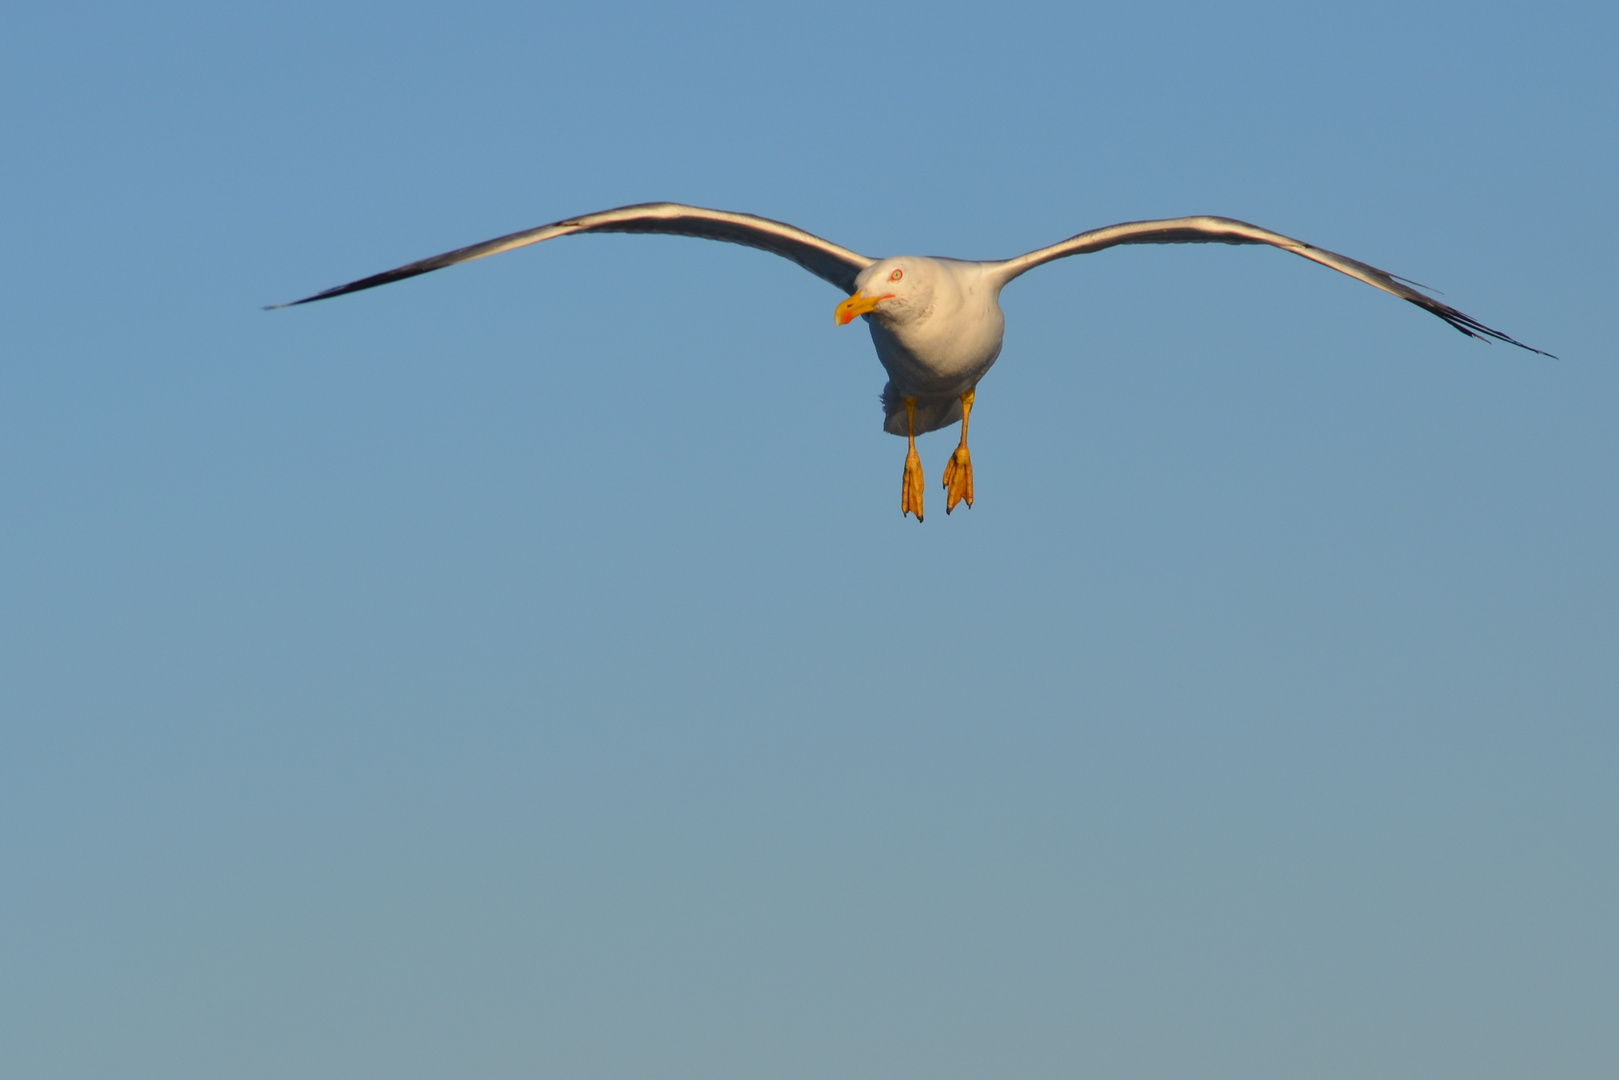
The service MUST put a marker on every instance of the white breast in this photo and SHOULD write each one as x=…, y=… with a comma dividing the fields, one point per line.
x=947, y=349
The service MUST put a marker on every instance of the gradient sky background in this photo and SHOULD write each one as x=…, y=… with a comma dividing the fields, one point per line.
x=524, y=671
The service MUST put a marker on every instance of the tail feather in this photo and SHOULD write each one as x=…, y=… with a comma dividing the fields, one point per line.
x=931, y=413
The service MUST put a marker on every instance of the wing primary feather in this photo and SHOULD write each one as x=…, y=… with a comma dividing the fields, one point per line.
x=822, y=258
x=1219, y=230
x=409, y=270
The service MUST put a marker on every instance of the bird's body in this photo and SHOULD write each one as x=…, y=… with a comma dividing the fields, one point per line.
x=936, y=323
x=936, y=347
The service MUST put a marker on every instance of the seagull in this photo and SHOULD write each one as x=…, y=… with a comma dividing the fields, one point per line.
x=936, y=322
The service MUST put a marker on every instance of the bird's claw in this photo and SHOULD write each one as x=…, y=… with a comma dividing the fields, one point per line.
x=958, y=479
x=910, y=499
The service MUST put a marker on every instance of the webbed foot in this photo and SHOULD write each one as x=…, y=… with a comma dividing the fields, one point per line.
x=958, y=479
x=910, y=495
x=958, y=473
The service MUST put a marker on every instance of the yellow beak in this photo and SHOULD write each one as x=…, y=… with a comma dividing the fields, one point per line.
x=857, y=305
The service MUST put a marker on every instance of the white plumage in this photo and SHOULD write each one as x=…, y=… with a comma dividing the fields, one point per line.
x=936, y=323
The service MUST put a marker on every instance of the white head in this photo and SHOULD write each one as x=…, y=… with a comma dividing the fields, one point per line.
x=895, y=291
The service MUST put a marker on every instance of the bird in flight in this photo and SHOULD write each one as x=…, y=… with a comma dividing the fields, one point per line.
x=936, y=322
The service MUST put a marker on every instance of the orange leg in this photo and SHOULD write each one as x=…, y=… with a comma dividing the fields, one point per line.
x=910, y=495
x=958, y=474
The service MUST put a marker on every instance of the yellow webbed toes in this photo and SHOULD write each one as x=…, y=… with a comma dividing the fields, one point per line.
x=910, y=498
x=958, y=479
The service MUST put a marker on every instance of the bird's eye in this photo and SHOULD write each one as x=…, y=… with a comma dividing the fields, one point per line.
x=896, y=275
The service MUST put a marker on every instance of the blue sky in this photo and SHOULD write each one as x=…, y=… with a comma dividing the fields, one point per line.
x=525, y=671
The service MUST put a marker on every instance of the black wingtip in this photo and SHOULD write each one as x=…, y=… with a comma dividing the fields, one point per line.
x=1475, y=329
x=1472, y=327
x=311, y=299
x=423, y=267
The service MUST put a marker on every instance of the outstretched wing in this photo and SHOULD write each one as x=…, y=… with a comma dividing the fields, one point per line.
x=820, y=257
x=1219, y=230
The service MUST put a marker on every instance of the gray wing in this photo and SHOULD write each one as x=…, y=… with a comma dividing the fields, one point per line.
x=822, y=258
x=1219, y=230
